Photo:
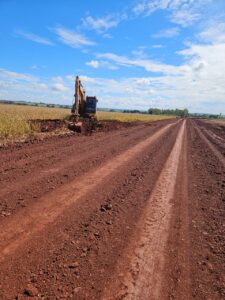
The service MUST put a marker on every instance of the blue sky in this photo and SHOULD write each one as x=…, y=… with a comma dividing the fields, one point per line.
x=130, y=54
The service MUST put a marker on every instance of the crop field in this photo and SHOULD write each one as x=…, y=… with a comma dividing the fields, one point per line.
x=130, y=117
x=14, y=119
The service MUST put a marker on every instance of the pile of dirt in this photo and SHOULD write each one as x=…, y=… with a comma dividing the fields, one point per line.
x=48, y=125
x=52, y=125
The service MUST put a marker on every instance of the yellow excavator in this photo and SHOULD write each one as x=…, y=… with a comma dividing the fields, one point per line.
x=83, y=113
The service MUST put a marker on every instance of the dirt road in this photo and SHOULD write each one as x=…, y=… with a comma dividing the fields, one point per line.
x=133, y=213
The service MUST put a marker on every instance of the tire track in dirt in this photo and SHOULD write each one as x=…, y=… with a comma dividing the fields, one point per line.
x=144, y=277
x=35, y=150
x=215, y=131
x=34, y=160
x=35, y=218
x=177, y=275
x=83, y=154
x=60, y=163
x=210, y=145
x=206, y=182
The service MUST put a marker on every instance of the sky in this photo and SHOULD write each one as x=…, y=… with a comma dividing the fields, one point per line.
x=130, y=54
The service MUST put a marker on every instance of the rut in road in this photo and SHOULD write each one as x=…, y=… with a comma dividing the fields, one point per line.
x=35, y=218
x=210, y=145
x=144, y=278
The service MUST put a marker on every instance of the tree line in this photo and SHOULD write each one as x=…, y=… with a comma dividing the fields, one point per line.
x=174, y=112
x=158, y=111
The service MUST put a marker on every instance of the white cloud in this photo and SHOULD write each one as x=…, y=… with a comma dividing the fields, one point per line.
x=139, y=52
x=107, y=36
x=20, y=86
x=147, y=7
x=185, y=17
x=34, y=67
x=93, y=63
x=139, y=8
x=167, y=91
x=37, y=67
x=104, y=23
x=101, y=64
x=16, y=76
x=72, y=38
x=198, y=83
x=143, y=81
x=214, y=32
x=101, y=24
x=147, y=64
x=182, y=12
x=58, y=84
x=168, y=33
x=158, y=46
x=70, y=77
x=87, y=79
x=59, y=87
x=210, y=60
x=34, y=37
x=57, y=79
x=40, y=86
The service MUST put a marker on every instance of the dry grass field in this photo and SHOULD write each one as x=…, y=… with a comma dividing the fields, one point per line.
x=14, y=119
x=130, y=117
x=217, y=121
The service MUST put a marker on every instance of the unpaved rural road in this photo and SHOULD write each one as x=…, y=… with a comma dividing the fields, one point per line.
x=135, y=213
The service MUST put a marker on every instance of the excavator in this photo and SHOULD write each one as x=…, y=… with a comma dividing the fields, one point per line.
x=83, y=113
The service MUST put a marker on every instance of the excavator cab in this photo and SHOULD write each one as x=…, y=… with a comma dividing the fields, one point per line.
x=91, y=105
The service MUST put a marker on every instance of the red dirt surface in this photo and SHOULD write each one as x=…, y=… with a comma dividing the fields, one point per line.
x=133, y=213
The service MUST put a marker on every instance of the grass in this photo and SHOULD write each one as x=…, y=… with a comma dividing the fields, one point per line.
x=14, y=119
x=130, y=117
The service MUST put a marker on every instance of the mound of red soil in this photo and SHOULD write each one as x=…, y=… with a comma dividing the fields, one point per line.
x=48, y=125
x=51, y=125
